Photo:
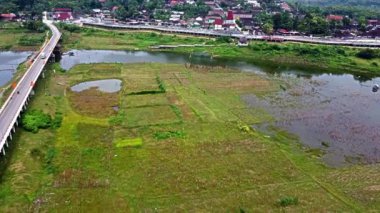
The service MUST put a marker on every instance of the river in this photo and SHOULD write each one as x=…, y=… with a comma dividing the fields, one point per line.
x=338, y=114
x=9, y=61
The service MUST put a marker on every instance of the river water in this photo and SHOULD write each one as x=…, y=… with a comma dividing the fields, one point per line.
x=9, y=61
x=338, y=114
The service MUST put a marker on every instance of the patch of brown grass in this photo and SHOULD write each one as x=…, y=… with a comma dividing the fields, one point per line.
x=93, y=102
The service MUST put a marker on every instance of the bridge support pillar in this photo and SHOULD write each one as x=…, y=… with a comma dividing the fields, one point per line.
x=10, y=136
x=6, y=143
x=43, y=74
x=16, y=122
x=14, y=129
x=3, y=151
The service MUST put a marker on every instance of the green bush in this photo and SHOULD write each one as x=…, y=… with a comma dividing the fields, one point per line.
x=341, y=51
x=169, y=134
x=30, y=41
x=34, y=120
x=367, y=54
x=57, y=121
x=287, y=201
x=70, y=27
x=37, y=26
x=224, y=39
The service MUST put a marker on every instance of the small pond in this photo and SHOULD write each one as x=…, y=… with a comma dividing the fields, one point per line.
x=107, y=85
x=338, y=114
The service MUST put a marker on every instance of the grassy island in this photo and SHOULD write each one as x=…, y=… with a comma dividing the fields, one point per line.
x=335, y=59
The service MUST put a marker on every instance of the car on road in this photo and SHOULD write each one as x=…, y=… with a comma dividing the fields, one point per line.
x=43, y=56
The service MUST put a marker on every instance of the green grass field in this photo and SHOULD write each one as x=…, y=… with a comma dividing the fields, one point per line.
x=15, y=38
x=187, y=148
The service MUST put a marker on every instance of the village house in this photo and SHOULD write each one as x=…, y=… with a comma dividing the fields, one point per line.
x=374, y=32
x=62, y=14
x=229, y=23
x=334, y=18
x=373, y=22
x=285, y=7
x=8, y=16
x=218, y=24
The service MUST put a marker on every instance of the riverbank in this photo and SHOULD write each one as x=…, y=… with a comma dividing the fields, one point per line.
x=321, y=57
x=169, y=140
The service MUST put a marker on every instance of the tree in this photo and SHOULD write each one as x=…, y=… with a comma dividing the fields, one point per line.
x=362, y=24
x=268, y=28
x=286, y=21
x=121, y=13
x=346, y=22
x=276, y=21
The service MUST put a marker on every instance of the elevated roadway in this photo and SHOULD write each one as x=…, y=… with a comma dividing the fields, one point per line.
x=18, y=99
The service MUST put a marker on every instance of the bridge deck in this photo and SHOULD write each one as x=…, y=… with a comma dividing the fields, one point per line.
x=18, y=98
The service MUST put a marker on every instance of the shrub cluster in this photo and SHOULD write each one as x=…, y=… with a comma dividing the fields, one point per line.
x=169, y=134
x=287, y=201
x=368, y=54
x=72, y=28
x=300, y=49
x=30, y=40
x=34, y=120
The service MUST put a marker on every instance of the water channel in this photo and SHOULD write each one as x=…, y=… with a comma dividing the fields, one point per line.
x=9, y=61
x=338, y=114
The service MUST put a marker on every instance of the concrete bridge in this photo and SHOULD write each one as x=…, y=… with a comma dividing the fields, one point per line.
x=19, y=98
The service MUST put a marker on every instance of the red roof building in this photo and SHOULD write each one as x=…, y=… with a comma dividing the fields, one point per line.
x=218, y=24
x=8, y=16
x=373, y=22
x=230, y=15
x=334, y=18
x=62, y=14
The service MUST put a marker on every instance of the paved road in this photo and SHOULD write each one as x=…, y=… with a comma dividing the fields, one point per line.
x=13, y=106
x=360, y=42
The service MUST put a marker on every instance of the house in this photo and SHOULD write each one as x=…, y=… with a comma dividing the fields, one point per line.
x=216, y=12
x=218, y=24
x=254, y=3
x=373, y=22
x=282, y=32
x=229, y=23
x=211, y=4
x=285, y=7
x=175, y=18
x=62, y=14
x=334, y=18
x=237, y=15
x=8, y=16
x=176, y=2
x=374, y=32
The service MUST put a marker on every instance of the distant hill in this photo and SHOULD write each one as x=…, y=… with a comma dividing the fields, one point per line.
x=350, y=3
